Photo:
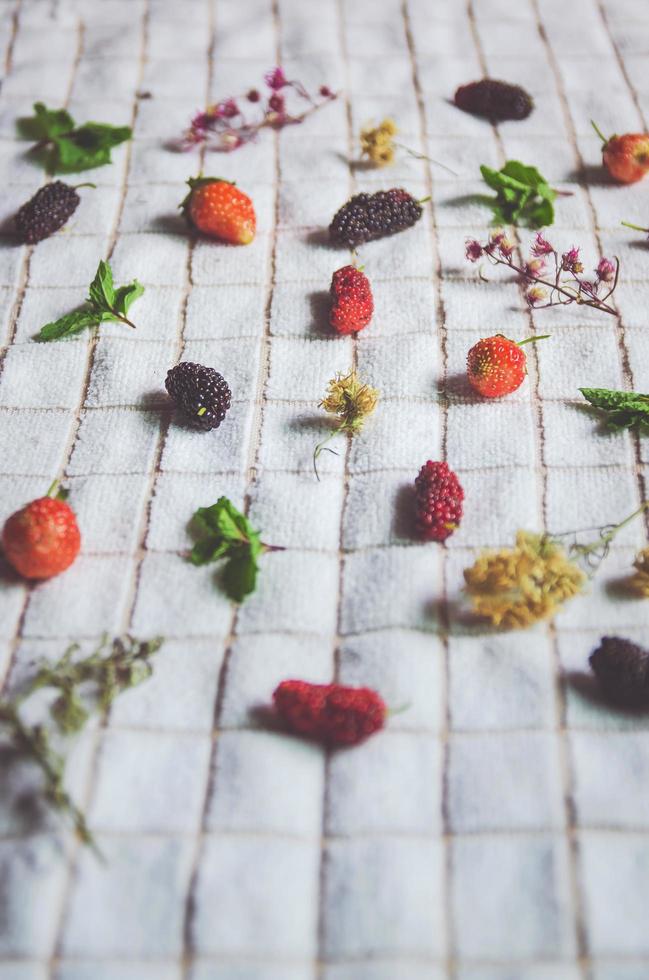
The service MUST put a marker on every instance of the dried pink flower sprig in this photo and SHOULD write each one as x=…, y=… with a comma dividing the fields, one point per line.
x=225, y=126
x=553, y=278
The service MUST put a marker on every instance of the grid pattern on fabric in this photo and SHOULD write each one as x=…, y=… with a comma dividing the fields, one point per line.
x=500, y=826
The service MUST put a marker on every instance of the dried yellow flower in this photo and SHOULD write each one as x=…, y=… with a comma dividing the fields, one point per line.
x=349, y=399
x=352, y=401
x=639, y=581
x=515, y=587
x=377, y=142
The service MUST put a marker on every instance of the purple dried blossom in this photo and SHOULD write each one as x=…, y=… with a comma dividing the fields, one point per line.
x=536, y=295
x=275, y=79
x=541, y=246
x=534, y=268
x=277, y=103
x=227, y=109
x=225, y=126
x=570, y=261
x=560, y=287
x=605, y=270
x=474, y=250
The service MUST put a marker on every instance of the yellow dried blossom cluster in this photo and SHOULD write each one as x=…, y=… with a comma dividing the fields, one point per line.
x=639, y=581
x=515, y=587
x=377, y=142
x=350, y=399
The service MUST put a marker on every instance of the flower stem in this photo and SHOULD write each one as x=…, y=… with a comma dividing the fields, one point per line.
x=322, y=447
x=627, y=224
x=572, y=295
x=599, y=132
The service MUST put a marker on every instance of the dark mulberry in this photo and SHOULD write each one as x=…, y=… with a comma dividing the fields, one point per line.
x=46, y=212
x=495, y=100
x=200, y=392
x=622, y=670
x=366, y=217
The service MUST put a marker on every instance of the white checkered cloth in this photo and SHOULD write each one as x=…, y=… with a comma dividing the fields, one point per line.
x=497, y=829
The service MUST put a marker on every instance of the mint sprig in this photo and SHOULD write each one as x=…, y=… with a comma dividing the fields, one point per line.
x=67, y=148
x=523, y=195
x=622, y=409
x=105, y=304
x=222, y=531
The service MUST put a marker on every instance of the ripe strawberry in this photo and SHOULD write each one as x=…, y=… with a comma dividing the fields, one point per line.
x=352, y=303
x=497, y=366
x=625, y=157
x=439, y=496
x=330, y=713
x=219, y=209
x=43, y=538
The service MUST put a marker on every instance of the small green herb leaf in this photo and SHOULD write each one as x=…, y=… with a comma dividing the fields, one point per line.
x=126, y=295
x=224, y=532
x=105, y=304
x=67, y=326
x=209, y=550
x=623, y=409
x=102, y=291
x=69, y=149
x=46, y=123
x=240, y=577
x=522, y=195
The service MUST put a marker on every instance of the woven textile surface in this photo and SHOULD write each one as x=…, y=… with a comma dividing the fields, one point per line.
x=499, y=827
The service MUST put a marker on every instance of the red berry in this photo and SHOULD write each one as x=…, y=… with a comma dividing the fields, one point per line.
x=627, y=157
x=300, y=704
x=439, y=496
x=351, y=714
x=352, y=303
x=330, y=713
x=219, y=209
x=42, y=539
x=496, y=366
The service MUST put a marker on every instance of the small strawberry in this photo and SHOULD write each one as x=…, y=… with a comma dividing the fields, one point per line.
x=330, y=713
x=625, y=157
x=438, y=506
x=219, y=209
x=43, y=538
x=496, y=366
x=352, y=302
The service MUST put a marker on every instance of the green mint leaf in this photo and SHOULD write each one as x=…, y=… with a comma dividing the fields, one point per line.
x=491, y=177
x=623, y=409
x=87, y=147
x=66, y=149
x=94, y=136
x=67, y=326
x=102, y=291
x=541, y=215
x=523, y=174
x=66, y=157
x=522, y=195
x=240, y=576
x=223, y=519
x=46, y=123
x=209, y=550
x=125, y=296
